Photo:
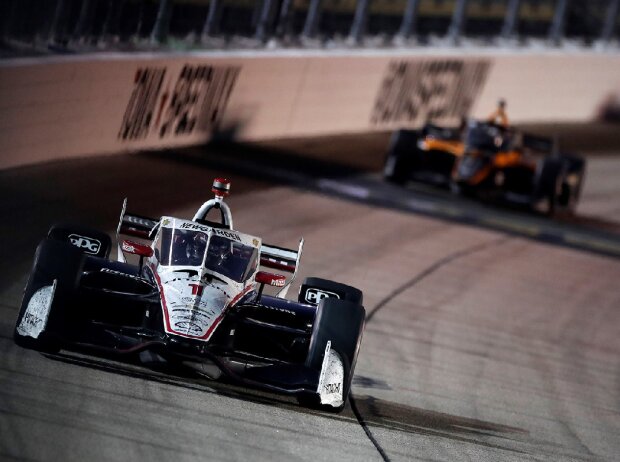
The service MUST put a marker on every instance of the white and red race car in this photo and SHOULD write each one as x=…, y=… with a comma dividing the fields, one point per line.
x=195, y=298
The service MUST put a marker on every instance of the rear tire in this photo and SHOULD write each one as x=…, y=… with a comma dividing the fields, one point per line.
x=54, y=260
x=342, y=323
x=398, y=162
x=548, y=183
x=572, y=185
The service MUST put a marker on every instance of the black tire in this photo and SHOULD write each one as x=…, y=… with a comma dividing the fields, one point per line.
x=63, y=231
x=462, y=189
x=343, y=291
x=398, y=163
x=342, y=323
x=548, y=182
x=54, y=260
x=575, y=169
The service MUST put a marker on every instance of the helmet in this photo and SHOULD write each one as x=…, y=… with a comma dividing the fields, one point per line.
x=195, y=248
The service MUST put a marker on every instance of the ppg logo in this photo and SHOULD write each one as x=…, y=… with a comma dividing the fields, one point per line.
x=314, y=296
x=88, y=244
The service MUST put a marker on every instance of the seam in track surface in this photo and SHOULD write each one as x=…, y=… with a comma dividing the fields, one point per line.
x=399, y=290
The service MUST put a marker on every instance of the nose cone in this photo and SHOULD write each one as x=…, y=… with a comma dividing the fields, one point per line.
x=193, y=308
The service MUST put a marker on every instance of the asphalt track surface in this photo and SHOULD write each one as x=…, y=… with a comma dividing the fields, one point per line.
x=480, y=344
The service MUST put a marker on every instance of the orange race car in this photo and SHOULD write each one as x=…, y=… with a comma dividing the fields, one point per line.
x=488, y=160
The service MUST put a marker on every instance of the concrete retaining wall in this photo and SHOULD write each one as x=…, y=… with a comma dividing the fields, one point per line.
x=85, y=105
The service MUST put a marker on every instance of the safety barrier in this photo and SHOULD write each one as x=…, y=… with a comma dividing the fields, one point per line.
x=65, y=107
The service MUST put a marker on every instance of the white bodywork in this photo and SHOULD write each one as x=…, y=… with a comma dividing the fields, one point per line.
x=218, y=203
x=195, y=298
x=37, y=312
x=331, y=380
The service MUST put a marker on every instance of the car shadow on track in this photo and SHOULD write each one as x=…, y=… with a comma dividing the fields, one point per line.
x=374, y=412
x=388, y=415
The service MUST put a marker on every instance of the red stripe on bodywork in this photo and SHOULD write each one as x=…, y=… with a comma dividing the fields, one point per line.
x=216, y=322
x=162, y=297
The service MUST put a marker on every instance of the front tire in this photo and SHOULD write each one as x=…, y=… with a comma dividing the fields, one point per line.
x=53, y=279
x=341, y=323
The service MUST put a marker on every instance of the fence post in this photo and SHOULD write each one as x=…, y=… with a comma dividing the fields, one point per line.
x=458, y=20
x=113, y=18
x=556, y=31
x=162, y=23
x=359, y=21
x=312, y=18
x=511, y=19
x=57, y=30
x=283, y=27
x=610, y=21
x=212, y=22
x=407, y=27
x=264, y=20
x=84, y=24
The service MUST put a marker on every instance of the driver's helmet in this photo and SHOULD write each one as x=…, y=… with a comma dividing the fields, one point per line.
x=219, y=249
x=195, y=249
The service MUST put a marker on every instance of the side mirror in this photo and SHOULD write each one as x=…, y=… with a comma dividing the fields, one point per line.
x=137, y=249
x=276, y=280
x=263, y=277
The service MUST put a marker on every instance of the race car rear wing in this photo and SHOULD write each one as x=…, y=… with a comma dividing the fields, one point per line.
x=131, y=224
x=282, y=259
x=135, y=225
x=541, y=144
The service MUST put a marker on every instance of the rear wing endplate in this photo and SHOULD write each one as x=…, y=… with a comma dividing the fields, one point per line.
x=282, y=259
x=135, y=225
x=131, y=224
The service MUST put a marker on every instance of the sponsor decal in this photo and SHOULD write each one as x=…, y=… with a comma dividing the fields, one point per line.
x=165, y=106
x=314, y=296
x=332, y=388
x=88, y=244
x=119, y=273
x=32, y=321
x=165, y=222
x=142, y=105
x=228, y=234
x=196, y=289
x=282, y=310
x=189, y=328
x=331, y=379
x=35, y=317
x=414, y=92
x=128, y=247
x=195, y=226
x=255, y=242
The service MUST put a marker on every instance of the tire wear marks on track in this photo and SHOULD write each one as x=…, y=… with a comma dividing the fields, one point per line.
x=399, y=290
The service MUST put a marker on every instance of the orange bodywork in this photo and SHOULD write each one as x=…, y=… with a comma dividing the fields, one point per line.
x=501, y=160
x=456, y=148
